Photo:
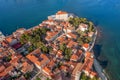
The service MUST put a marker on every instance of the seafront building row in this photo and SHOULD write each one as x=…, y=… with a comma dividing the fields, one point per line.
x=66, y=59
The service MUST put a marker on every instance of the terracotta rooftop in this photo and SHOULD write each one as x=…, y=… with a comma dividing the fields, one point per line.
x=78, y=68
x=88, y=54
x=72, y=43
x=47, y=71
x=9, y=39
x=39, y=60
x=86, y=45
x=2, y=68
x=26, y=67
x=72, y=35
x=64, y=68
x=61, y=12
x=74, y=57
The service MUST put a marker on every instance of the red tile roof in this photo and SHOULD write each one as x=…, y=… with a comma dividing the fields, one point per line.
x=88, y=54
x=93, y=73
x=2, y=67
x=64, y=68
x=86, y=45
x=61, y=12
x=47, y=71
x=26, y=67
x=74, y=57
x=9, y=39
x=40, y=60
x=72, y=35
x=72, y=43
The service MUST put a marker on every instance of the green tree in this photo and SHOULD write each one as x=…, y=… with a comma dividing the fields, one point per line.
x=83, y=77
x=44, y=49
x=68, y=53
x=80, y=41
x=24, y=38
x=47, y=79
x=31, y=48
x=62, y=47
x=91, y=26
x=83, y=20
x=27, y=75
x=38, y=78
x=44, y=30
x=50, y=49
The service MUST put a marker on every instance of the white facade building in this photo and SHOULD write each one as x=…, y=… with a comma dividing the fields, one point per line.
x=83, y=27
x=61, y=15
x=2, y=37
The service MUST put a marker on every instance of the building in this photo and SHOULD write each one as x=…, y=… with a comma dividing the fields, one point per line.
x=86, y=46
x=2, y=37
x=61, y=15
x=83, y=27
x=11, y=40
x=47, y=72
x=17, y=34
x=77, y=71
x=72, y=44
x=39, y=59
x=51, y=36
x=71, y=35
x=50, y=22
x=90, y=34
x=68, y=29
x=27, y=67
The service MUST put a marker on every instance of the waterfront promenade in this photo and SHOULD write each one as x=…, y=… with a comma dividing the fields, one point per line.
x=96, y=64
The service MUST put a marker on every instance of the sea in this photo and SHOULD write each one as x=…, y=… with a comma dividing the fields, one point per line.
x=105, y=14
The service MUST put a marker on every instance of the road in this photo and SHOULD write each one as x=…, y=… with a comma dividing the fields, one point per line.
x=99, y=70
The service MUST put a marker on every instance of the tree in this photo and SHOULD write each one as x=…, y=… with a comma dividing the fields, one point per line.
x=87, y=39
x=50, y=49
x=83, y=20
x=68, y=53
x=44, y=30
x=83, y=77
x=24, y=38
x=80, y=41
x=62, y=47
x=37, y=37
x=95, y=78
x=59, y=64
x=38, y=78
x=31, y=48
x=91, y=27
x=39, y=44
x=47, y=79
x=27, y=75
x=44, y=49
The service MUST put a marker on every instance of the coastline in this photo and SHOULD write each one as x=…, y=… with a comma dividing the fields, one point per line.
x=89, y=49
x=97, y=66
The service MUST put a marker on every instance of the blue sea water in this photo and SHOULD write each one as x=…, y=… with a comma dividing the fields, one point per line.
x=105, y=13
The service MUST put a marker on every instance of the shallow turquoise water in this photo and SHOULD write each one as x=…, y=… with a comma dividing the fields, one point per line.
x=105, y=13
